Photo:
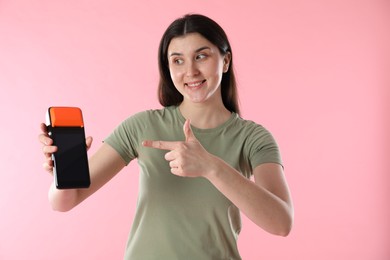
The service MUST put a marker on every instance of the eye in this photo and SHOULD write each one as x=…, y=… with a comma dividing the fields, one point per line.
x=200, y=56
x=178, y=61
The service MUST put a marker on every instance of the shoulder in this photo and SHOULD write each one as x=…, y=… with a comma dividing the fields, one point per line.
x=255, y=136
x=250, y=128
x=148, y=116
x=134, y=128
x=260, y=144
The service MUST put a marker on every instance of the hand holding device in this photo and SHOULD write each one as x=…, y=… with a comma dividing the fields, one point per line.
x=65, y=127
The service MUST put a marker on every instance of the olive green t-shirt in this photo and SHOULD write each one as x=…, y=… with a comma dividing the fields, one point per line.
x=187, y=218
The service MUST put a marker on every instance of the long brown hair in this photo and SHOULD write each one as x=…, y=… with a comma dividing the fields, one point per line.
x=195, y=23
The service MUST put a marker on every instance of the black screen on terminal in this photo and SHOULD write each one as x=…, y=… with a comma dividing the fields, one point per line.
x=70, y=161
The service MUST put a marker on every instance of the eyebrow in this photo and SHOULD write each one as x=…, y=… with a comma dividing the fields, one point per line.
x=197, y=50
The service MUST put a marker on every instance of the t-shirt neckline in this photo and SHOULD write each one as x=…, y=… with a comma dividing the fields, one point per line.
x=205, y=130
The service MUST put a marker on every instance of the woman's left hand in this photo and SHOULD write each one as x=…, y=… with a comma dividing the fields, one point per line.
x=266, y=201
x=186, y=158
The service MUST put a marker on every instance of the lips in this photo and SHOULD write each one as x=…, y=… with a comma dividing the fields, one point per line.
x=194, y=84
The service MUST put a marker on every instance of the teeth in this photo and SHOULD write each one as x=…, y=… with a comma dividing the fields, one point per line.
x=196, y=84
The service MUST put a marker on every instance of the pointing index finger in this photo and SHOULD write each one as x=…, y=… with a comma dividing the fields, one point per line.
x=162, y=145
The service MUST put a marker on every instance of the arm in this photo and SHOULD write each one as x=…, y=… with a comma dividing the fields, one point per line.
x=103, y=166
x=266, y=201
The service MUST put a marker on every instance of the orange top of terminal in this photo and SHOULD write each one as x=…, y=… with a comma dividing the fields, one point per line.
x=66, y=117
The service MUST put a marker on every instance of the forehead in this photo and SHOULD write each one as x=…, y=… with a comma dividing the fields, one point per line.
x=189, y=43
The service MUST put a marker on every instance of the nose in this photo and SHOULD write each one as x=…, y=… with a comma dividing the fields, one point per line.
x=192, y=69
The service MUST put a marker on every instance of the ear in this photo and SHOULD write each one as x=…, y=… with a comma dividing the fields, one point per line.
x=226, y=61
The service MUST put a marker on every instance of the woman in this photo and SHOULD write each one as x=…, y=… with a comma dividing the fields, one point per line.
x=196, y=156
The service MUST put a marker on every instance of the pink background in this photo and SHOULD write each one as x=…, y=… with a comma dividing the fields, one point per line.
x=312, y=72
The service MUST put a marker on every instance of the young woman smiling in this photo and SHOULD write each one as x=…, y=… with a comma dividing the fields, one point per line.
x=196, y=156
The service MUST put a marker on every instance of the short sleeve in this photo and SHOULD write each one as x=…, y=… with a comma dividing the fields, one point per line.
x=124, y=139
x=263, y=148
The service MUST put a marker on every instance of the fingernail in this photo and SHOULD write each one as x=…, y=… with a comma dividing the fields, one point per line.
x=145, y=143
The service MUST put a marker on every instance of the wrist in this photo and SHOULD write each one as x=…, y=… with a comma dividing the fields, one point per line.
x=214, y=169
x=62, y=200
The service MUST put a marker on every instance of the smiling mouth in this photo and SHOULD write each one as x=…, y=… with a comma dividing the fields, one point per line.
x=194, y=84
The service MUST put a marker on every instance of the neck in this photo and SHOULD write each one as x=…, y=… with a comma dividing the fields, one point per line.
x=204, y=116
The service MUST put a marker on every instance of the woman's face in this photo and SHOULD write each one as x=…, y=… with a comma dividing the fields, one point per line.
x=196, y=67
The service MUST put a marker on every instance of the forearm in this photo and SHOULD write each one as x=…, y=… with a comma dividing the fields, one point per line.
x=103, y=166
x=62, y=200
x=264, y=208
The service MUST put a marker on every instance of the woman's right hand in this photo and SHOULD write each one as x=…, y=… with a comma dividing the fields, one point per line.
x=48, y=148
x=103, y=166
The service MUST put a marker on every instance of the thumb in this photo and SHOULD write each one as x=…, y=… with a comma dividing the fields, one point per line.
x=88, y=142
x=188, y=131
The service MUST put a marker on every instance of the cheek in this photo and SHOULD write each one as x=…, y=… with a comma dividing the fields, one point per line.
x=173, y=73
x=176, y=77
x=215, y=72
x=216, y=68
